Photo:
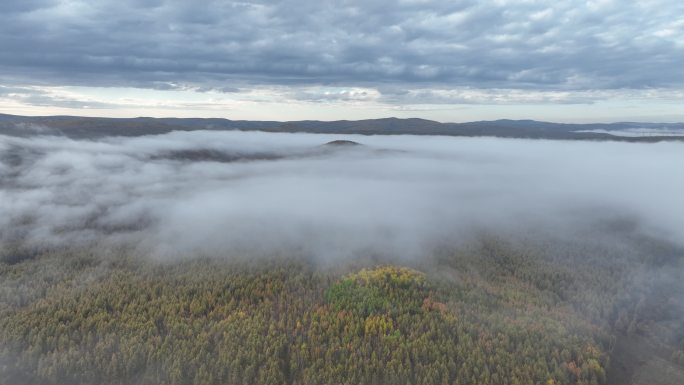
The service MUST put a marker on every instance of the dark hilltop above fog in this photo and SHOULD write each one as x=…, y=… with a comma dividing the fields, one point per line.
x=342, y=143
x=86, y=127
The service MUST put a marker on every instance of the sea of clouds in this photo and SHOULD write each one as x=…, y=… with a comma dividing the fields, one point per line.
x=237, y=193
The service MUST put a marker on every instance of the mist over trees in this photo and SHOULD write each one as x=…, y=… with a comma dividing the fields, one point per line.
x=413, y=192
x=242, y=257
x=260, y=193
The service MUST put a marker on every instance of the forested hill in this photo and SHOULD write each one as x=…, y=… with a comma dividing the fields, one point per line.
x=86, y=127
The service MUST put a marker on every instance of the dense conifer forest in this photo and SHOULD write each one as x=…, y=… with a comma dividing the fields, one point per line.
x=495, y=312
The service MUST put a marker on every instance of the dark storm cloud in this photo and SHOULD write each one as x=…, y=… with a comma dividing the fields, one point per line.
x=572, y=45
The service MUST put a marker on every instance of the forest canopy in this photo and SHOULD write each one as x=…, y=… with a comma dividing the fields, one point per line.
x=498, y=313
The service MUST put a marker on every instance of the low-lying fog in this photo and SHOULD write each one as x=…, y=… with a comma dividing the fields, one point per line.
x=252, y=193
x=639, y=132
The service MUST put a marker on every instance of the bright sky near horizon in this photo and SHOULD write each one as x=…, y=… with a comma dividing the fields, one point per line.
x=450, y=60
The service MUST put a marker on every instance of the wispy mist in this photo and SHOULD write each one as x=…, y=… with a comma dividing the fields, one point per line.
x=250, y=193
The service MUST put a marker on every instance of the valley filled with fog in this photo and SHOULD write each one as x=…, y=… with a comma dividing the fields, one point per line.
x=250, y=192
x=414, y=192
x=242, y=257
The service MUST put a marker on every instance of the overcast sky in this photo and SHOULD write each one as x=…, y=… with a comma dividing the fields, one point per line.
x=451, y=60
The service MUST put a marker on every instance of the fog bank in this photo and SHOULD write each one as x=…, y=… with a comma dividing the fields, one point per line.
x=252, y=193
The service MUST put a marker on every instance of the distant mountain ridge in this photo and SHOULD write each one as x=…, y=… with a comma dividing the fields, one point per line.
x=88, y=127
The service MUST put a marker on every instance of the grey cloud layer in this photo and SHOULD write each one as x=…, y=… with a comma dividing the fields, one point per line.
x=570, y=45
x=397, y=196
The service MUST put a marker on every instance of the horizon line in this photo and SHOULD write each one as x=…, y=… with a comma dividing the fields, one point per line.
x=340, y=120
